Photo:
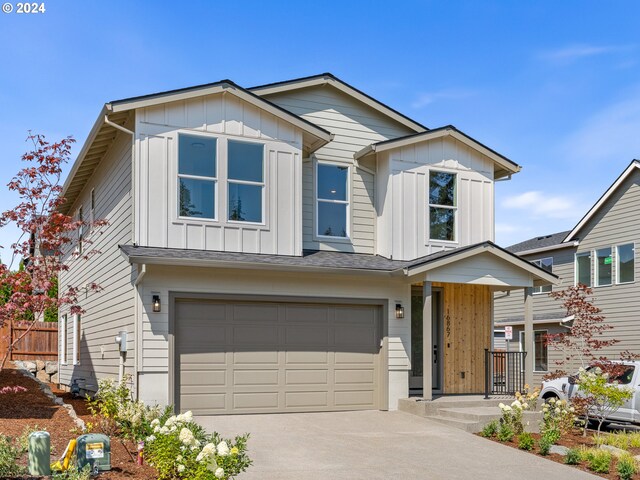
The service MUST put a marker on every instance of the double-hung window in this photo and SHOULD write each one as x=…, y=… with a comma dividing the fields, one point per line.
x=442, y=206
x=545, y=264
x=197, y=176
x=604, y=262
x=583, y=268
x=245, y=166
x=625, y=263
x=332, y=200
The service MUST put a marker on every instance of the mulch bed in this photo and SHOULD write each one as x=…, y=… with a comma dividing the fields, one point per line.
x=32, y=408
x=574, y=440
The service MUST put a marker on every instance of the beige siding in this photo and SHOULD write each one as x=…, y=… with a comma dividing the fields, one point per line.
x=112, y=309
x=354, y=126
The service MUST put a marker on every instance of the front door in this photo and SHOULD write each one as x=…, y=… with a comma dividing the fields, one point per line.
x=415, y=378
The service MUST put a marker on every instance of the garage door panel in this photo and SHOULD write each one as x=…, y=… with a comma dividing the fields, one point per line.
x=266, y=335
x=255, y=401
x=216, y=378
x=297, y=335
x=307, y=377
x=343, y=358
x=202, y=357
x=204, y=404
x=307, y=314
x=307, y=358
x=255, y=377
x=364, y=376
x=355, y=335
x=354, y=398
x=266, y=312
x=306, y=399
x=251, y=358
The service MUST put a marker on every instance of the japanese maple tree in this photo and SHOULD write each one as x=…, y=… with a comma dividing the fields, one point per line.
x=47, y=235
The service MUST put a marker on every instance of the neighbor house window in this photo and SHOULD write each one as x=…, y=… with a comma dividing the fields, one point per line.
x=80, y=230
x=604, y=262
x=625, y=262
x=245, y=181
x=332, y=200
x=583, y=268
x=546, y=264
x=63, y=339
x=540, y=351
x=197, y=176
x=442, y=206
x=92, y=212
x=77, y=337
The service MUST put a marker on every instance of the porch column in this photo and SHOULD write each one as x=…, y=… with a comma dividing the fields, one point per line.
x=528, y=336
x=427, y=342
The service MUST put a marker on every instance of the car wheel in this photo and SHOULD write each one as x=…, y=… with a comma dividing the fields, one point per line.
x=549, y=396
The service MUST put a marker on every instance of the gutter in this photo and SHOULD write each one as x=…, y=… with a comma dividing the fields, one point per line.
x=550, y=248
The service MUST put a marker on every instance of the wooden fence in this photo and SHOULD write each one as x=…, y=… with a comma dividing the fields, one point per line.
x=41, y=343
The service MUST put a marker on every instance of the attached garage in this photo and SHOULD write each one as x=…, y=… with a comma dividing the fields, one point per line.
x=233, y=357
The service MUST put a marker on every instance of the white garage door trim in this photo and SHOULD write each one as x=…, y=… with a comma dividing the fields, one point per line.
x=382, y=367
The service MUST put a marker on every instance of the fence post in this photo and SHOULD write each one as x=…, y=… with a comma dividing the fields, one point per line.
x=486, y=373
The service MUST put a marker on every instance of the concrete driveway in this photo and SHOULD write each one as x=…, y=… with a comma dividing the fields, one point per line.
x=376, y=445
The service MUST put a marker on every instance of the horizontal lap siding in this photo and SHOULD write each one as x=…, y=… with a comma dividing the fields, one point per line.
x=354, y=126
x=112, y=309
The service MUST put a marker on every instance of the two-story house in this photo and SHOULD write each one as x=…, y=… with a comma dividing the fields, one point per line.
x=598, y=252
x=298, y=246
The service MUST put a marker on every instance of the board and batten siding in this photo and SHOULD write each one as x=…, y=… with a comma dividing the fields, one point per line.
x=154, y=367
x=223, y=116
x=112, y=309
x=354, y=126
x=403, y=197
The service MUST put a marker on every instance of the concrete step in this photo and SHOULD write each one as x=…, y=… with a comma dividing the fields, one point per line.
x=474, y=413
x=466, y=425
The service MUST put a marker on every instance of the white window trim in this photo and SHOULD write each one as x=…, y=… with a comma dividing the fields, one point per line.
x=214, y=180
x=63, y=340
x=456, y=232
x=575, y=267
x=617, y=262
x=538, y=290
x=262, y=184
x=92, y=205
x=76, y=348
x=346, y=202
x=521, y=334
x=596, y=267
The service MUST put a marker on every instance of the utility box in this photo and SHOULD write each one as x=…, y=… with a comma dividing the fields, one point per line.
x=39, y=453
x=94, y=449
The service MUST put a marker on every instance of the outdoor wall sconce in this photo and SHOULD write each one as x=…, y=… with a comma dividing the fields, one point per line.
x=156, y=303
x=399, y=311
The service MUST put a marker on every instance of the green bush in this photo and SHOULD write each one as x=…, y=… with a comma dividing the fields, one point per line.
x=626, y=467
x=573, y=457
x=526, y=441
x=491, y=429
x=10, y=453
x=544, y=445
x=599, y=461
x=505, y=432
x=74, y=474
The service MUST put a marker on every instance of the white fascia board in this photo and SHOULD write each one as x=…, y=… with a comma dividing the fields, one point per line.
x=550, y=248
x=164, y=98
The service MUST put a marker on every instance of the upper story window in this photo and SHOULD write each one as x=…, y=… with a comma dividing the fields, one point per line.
x=80, y=230
x=604, y=262
x=245, y=168
x=332, y=192
x=583, y=268
x=546, y=264
x=197, y=176
x=442, y=206
x=625, y=263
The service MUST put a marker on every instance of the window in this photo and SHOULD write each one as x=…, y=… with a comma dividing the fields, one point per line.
x=540, y=352
x=92, y=214
x=546, y=264
x=332, y=205
x=80, y=230
x=603, y=267
x=63, y=339
x=625, y=263
x=583, y=268
x=246, y=181
x=77, y=337
x=442, y=206
x=197, y=176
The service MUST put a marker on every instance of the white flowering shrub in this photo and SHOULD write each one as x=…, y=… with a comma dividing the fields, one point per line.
x=179, y=448
x=557, y=416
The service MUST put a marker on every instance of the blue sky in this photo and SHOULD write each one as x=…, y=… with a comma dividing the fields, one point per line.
x=555, y=86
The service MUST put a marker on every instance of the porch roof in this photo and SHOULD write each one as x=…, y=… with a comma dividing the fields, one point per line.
x=340, y=262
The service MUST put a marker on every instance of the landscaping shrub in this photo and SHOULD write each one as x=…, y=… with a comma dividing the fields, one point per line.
x=74, y=474
x=526, y=441
x=10, y=453
x=623, y=440
x=512, y=414
x=573, y=457
x=505, y=432
x=599, y=461
x=491, y=429
x=544, y=445
x=179, y=448
x=626, y=467
x=557, y=415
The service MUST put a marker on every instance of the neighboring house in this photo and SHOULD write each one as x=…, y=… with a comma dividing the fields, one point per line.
x=598, y=252
x=285, y=248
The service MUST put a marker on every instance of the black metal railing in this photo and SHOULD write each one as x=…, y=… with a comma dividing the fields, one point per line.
x=503, y=372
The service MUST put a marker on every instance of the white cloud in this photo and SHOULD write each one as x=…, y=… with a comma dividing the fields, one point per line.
x=428, y=98
x=539, y=204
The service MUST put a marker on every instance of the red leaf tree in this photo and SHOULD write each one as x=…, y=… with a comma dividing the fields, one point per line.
x=47, y=236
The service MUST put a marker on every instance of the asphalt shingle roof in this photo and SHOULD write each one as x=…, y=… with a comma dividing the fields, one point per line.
x=539, y=242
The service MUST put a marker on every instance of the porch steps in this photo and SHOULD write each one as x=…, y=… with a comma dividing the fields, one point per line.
x=469, y=414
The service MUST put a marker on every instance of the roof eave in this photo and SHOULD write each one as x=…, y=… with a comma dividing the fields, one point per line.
x=548, y=248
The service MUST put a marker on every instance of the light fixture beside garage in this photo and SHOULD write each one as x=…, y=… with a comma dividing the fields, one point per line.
x=156, y=304
x=399, y=310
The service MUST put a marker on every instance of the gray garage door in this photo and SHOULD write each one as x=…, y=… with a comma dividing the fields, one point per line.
x=249, y=357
